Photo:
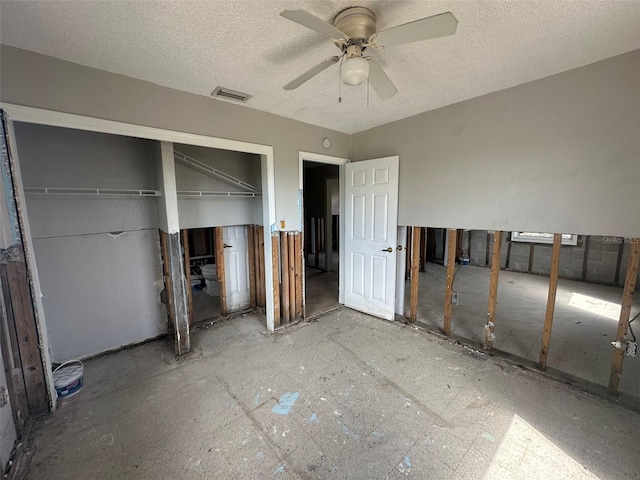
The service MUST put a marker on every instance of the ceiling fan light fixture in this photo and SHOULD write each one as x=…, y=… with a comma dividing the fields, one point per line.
x=354, y=71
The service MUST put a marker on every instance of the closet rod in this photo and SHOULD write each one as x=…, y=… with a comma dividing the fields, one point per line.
x=205, y=194
x=92, y=191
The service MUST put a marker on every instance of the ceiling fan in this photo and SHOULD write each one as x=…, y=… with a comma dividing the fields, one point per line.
x=353, y=31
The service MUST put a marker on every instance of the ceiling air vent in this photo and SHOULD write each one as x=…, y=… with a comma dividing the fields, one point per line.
x=227, y=94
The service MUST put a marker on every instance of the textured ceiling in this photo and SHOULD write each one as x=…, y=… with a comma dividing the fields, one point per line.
x=245, y=45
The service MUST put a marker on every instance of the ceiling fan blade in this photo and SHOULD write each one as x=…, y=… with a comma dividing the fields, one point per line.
x=379, y=81
x=431, y=27
x=305, y=19
x=311, y=73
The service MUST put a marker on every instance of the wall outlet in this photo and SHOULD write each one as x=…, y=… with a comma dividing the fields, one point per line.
x=454, y=298
x=631, y=350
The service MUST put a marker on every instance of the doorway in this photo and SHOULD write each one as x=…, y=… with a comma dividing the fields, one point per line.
x=220, y=269
x=322, y=223
x=321, y=200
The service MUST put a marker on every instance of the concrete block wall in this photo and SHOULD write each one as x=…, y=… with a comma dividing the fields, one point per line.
x=602, y=257
x=478, y=247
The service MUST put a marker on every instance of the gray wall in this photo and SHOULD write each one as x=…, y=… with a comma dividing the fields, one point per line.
x=36, y=80
x=98, y=257
x=211, y=212
x=560, y=154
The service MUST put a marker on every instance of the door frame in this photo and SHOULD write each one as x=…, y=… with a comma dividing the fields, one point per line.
x=329, y=160
x=20, y=113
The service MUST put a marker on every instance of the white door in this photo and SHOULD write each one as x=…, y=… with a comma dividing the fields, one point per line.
x=371, y=193
x=236, y=263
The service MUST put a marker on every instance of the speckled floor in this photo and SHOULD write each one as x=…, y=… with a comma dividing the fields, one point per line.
x=205, y=307
x=346, y=397
x=584, y=325
x=321, y=291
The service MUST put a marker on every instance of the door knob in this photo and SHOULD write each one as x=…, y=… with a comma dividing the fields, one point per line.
x=227, y=246
x=390, y=249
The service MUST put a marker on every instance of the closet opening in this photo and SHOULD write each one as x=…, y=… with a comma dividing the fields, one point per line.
x=220, y=210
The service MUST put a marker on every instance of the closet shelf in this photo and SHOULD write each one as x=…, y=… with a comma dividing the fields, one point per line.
x=128, y=192
x=210, y=171
x=92, y=191
x=205, y=194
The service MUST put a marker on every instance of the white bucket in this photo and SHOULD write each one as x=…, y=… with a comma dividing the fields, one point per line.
x=68, y=378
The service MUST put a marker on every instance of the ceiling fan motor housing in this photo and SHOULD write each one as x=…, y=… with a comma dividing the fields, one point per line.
x=358, y=23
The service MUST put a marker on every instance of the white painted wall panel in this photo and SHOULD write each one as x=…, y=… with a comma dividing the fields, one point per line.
x=201, y=213
x=54, y=216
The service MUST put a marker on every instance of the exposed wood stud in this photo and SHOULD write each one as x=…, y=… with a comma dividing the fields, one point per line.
x=252, y=266
x=308, y=239
x=316, y=248
x=459, y=240
x=11, y=359
x=220, y=269
x=298, y=270
x=256, y=236
x=256, y=262
x=488, y=249
x=175, y=290
x=284, y=245
x=616, y=276
x=15, y=348
x=423, y=248
x=407, y=275
x=276, y=279
x=261, y=280
x=415, y=273
x=167, y=278
x=451, y=267
x=187, y=272
x=493, y=289
x=551, y=299
x=292, y=275
x=21, y=306
x=585, y=258
x=625, y=313
x=179, y=294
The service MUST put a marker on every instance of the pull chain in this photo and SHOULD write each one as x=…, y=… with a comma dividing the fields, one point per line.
x=340, y=81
